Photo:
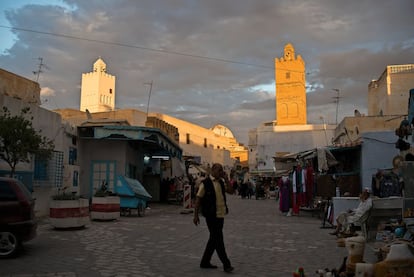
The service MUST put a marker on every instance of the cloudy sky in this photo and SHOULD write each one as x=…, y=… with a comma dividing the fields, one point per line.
x=211, y=62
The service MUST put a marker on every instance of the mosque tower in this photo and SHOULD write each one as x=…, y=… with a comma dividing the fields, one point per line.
x=97, y=89
x=290, y=88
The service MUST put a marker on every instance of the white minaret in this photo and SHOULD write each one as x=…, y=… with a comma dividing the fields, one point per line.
x=98, y=89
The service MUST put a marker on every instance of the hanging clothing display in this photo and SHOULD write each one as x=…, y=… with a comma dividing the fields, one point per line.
x=284, y=191
x=299, y=189
x=309, y=184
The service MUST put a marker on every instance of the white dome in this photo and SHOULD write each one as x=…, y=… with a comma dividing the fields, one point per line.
x=222, y=131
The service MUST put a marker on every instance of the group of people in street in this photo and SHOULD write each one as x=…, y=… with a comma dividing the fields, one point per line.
x=295, y=190
x=247, y=190
x=262, y=187
x=171, y=187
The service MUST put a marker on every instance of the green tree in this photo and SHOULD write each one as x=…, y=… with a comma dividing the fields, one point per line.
x=19, y=141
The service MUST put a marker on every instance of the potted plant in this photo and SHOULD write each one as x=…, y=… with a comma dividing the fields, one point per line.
x=105, y=204
x=68, y=210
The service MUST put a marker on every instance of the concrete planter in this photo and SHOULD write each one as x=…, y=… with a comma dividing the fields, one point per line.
x=69, y=213
x=105, y=208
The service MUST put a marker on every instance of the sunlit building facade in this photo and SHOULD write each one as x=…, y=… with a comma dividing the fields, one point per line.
x=289, y=133
x=97, y=89
x=388, y=95
x=290, y=88
x=207, y=145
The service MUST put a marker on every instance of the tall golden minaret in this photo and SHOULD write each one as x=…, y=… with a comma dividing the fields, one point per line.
x=290, y=88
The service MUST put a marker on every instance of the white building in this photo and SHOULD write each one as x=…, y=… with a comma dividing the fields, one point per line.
x=388, y=95
x=98, y=89
x=269, y=140
x=43, y=178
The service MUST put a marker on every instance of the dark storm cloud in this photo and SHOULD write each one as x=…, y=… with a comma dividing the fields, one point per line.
x=345, y=44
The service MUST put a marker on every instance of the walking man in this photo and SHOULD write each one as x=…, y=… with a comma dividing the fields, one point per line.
x=211, y=199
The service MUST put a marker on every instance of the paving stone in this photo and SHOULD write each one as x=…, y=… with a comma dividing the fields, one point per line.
x=259, y=241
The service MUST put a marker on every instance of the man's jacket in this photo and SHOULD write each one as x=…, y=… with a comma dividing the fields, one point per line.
x=208, y=202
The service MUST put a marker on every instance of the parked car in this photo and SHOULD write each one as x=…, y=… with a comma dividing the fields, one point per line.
x=17, y=219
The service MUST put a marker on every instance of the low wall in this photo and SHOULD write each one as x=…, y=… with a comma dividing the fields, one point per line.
x=42, y=196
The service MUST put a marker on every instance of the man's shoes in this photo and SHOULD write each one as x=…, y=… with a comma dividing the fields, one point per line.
x=334, y=233
x=207, y=266
x=228, y=269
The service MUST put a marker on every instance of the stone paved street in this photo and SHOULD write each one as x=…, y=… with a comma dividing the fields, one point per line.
x=259, y=241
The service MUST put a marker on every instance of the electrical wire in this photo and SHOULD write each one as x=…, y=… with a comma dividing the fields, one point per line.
x=154, y=50
x=136, y=47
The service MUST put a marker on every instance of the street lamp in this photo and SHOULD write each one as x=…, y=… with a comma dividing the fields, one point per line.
x=324, y=128
x=149, y=96
x=337, y=104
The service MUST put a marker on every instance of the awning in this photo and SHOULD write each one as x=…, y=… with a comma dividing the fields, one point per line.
x=308, y=154
x=346, y=146
x=280, y=173
x=325, y=158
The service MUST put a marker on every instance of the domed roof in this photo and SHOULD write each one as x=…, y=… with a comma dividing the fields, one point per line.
x=222, y=131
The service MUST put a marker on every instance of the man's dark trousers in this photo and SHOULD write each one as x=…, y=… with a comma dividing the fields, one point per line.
x=215, y=242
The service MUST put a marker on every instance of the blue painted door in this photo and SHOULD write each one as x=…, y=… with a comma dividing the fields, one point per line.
x=103, y=172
